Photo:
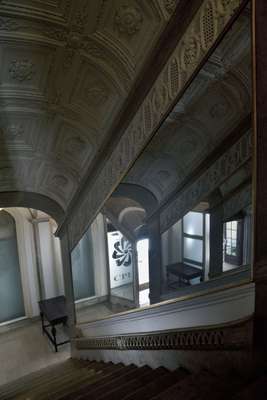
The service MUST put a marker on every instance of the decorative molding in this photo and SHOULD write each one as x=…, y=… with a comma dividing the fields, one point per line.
x=223, y=168
x=97, y=96
x=170, y=5
x=21, y=70
x=233, y=337
x=205, y=28
x=128, y=19
x=60, y=180
x=9, y=24
x=11, y=132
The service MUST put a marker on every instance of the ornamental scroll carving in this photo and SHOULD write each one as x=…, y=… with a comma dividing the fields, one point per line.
x=206, y=26
x=231, y=338
x=229, y=162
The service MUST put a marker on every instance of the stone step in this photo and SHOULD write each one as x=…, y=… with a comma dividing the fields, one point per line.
x=29, y=377
x=161, y=380
x=106, y=386
x=85, y=380
x=202, y=386
x=53, y=377
x=256, y=390
x=71, y=389
x=110, y=374
x=60, y=368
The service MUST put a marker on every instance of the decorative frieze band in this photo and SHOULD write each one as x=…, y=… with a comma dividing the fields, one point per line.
x=214, y=176
x=201, y=34
x=234, y=337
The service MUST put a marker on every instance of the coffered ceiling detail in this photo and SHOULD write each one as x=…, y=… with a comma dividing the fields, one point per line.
x=66, y=69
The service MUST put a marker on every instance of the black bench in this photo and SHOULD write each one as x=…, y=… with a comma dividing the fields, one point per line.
x=54, y=312
x=184, y=272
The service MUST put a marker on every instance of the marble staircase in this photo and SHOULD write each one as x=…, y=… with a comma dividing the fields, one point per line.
x=79, y=379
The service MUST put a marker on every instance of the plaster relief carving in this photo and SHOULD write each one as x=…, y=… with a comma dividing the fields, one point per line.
x=170, y=5
x=60, y=180
x=8, y=24
x=5, y=172
x=75, y=145
x=219, y=110
x=191, y=51
x=235, y=336
x=128, y=20
x=14, y=131
x=209, y=25
x=21, y=70
x=96, y=96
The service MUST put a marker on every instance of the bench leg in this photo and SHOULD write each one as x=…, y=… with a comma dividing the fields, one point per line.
x=54, y=333
x=42, y=318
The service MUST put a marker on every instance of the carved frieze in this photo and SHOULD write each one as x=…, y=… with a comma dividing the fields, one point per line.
x=170, y=5
x=234, y=337
x=204, y=29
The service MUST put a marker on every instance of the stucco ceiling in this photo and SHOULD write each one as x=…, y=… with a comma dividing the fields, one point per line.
x=213, y=106
x=66, y=70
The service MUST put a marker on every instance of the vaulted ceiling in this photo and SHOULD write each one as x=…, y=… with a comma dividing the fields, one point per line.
x=66, y=70
x=210, y=111
x=213, y=106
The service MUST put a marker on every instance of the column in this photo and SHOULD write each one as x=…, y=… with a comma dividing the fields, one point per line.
x=154, y=260
x=68, y=283
x=216, y=242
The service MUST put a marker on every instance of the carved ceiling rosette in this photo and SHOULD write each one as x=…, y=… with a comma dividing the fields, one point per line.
x=128, y=19
x=170, y=5
x=22, y=70
x=96, y=96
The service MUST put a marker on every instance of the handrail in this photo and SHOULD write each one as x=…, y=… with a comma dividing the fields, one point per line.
x=175, y=300
x=235, y=335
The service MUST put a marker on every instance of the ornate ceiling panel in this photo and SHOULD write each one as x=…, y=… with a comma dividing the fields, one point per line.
x=211, y=108
x=66, y=69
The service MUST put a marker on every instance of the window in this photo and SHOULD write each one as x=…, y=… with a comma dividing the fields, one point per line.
x=11, y=296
